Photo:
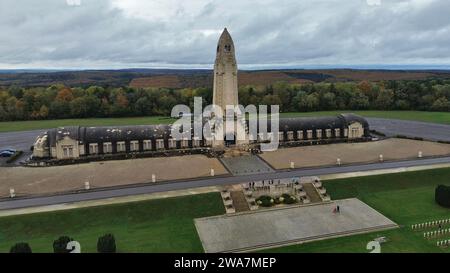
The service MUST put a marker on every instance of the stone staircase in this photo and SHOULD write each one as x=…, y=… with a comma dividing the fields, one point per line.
x=239, y=202
x=312, y=193
x=235, y=152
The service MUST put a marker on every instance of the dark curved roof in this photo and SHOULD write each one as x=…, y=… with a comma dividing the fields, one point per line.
x=107, y=134
x=295, y=124
x=143, y=132
x=351, y=118
x=123, y=133
x=313, y=123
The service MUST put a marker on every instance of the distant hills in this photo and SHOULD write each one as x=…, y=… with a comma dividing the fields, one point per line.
x=184, y=78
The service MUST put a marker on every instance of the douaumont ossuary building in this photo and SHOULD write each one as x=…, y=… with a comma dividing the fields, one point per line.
x=83, y=143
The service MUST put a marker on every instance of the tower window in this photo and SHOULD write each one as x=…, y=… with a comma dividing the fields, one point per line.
x=227, y=48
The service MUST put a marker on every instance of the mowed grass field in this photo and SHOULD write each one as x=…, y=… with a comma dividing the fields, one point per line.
x=167, y=225
x=164, y=225
x=405, y=198
x=12, y=126
x=435, y=117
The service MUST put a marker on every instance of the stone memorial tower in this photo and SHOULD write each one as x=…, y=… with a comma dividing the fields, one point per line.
x=225, y=73
x=225, y=93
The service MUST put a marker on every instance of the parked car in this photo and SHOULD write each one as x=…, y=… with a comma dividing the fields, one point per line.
x=8, y=150
x=6, y=153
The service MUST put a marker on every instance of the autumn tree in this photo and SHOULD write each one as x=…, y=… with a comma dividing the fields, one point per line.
x=65, y=95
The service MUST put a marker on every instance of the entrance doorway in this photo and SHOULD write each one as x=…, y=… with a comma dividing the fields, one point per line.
x=230, y=140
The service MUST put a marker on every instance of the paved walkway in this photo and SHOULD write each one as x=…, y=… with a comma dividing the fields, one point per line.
x=245, y=165
x=312, y=193
x=271, y=228
x=239, y=202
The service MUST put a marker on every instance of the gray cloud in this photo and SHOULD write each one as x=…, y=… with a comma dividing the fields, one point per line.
x=267, y=33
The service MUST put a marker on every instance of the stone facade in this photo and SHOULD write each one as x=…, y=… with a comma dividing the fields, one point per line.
x=225, y=95
x=225, y=90
x=78, y=142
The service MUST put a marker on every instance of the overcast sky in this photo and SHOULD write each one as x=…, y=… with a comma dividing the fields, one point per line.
x=184, y=33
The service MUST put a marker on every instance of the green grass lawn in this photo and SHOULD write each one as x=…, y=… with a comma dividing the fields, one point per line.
x=405, y=198
x=11, y=126
x=436, y=117
x=164, y=225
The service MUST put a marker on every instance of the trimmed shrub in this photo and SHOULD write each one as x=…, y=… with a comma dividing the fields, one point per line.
x=20, y=248
x=106, y=244
x=265, y=201
x=288, y=199
x=60, y=244
x=442, y=196
x=278, y=200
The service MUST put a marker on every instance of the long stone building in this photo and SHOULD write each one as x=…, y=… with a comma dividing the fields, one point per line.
x=91, y=142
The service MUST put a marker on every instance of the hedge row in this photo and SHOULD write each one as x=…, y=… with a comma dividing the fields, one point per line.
x=105, y=244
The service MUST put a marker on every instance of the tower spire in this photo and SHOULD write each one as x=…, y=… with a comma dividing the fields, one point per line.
x=225, y=72
x=225, y=93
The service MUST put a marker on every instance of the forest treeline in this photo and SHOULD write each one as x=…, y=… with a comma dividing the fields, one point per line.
x=59, y=101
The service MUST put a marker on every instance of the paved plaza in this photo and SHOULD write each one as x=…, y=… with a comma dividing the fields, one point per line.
x=57, y=179
x=244, y=165
x=352, y=153
x=275, y=227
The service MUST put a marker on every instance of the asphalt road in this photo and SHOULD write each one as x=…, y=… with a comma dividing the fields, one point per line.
x=178, y=185
x=19, y=140
x=429, y=131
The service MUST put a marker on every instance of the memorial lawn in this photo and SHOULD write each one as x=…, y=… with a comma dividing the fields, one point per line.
x=163, y=225
x=405, y=198
x=435, y=117
x=166, y=225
